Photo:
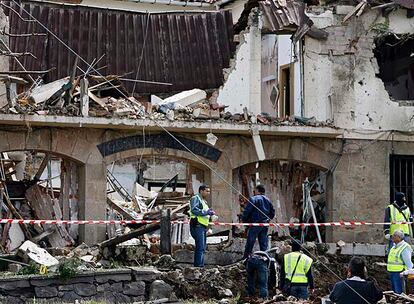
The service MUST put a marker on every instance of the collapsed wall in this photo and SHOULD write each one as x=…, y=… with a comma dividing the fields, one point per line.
x=342, y=73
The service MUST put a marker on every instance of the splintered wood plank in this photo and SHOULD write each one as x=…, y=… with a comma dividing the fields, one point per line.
x=47, y=209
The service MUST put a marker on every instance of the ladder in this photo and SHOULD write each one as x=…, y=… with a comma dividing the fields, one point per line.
x=116, y=186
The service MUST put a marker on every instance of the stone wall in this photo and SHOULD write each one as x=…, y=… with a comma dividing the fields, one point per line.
x=112, y=286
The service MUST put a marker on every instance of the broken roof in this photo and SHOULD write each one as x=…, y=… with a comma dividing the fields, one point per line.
x=285, y=14
x=186, y=50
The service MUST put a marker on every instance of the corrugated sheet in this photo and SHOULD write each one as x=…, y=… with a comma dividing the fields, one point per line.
x=188, y=50
x=286, y=17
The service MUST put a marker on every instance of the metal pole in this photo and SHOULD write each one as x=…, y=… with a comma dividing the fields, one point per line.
x=309, y=200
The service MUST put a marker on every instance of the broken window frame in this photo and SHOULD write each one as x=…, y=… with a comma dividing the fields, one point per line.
x=283, y=81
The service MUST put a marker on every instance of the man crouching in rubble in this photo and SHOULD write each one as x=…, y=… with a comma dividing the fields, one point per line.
x=258, y=266
x=356, y=289
x=200, y=216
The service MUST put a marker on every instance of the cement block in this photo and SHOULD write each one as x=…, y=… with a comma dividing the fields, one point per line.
x=211, y=257
x=364, y=249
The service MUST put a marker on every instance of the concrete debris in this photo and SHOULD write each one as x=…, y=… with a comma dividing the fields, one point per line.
x=106, y=97
x=187, y=98
x=29, y=251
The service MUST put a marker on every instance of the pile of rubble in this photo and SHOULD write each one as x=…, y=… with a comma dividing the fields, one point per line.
x=106, y=97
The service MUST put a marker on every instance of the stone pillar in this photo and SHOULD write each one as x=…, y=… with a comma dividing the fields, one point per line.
x=92, y=201
x=222, y=198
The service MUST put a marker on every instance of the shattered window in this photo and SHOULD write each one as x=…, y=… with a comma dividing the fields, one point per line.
x=395, y=56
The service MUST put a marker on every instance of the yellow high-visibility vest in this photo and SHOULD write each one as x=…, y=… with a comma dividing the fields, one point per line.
x=202, y=219
x=395, y=262
x=397, y=216
x=305, y=263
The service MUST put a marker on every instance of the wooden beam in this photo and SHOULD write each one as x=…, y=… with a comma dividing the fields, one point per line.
x=42, y=167
x=16, y=214
x=121, y=210
x=165, y=234
x=133, y=234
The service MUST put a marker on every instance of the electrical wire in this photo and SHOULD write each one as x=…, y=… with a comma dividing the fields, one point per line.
x=142, y=51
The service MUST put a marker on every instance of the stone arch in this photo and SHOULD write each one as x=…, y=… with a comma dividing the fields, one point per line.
x=207, y=157
x=67, y=143
x=73, y=144
x=313, y=152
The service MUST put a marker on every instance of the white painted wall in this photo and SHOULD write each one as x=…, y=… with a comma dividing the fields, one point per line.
x=343, y=87
x=286, y=56
x=243, y=85
x=236, y=8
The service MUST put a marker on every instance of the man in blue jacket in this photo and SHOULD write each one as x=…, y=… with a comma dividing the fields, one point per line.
x=258, y=210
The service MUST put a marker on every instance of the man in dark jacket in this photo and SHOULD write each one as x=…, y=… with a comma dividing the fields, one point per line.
x=259, y=209
x=356, y=289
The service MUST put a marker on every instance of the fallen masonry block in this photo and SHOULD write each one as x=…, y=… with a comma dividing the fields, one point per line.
x=44, y=92
x=30, y=251
x=364, y=249
x=187, y=98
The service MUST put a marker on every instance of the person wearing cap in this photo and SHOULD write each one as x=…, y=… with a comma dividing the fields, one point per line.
x=199, y=219
x=296, y=273
x=357, y=288
x=399, y=260
x=258, y=267
x=398, y=211
x=259, y=209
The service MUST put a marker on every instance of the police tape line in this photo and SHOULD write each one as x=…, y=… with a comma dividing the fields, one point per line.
x=128, y=222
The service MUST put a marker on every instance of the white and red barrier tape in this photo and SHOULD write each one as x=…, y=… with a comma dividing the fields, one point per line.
x=124, y=222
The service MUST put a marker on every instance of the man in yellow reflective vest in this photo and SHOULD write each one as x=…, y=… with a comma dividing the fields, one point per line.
x=398, y=211
x=296, y=273
x=199, y=219
x=399, y=260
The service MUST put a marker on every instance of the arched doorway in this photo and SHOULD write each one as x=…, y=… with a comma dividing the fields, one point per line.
x=40, y=185
x=284, y=181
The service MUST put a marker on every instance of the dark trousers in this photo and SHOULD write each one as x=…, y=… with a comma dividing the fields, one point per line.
x=254, y=233
x=299, y=292
x=397, y=283
x=199, y=234
x=257, y=267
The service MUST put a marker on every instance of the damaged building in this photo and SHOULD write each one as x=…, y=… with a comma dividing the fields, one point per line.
x=116, y=110
x=119, y=110
x=290, y=90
